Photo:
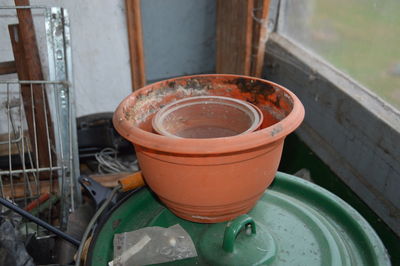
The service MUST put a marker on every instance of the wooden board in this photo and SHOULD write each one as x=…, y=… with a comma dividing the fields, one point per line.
x=135, y=38
x=19, y=190
x=234, y=36
x=15, y=147
x=28, y=40
x=109, y=180
x=260, y=36
x=7, y=68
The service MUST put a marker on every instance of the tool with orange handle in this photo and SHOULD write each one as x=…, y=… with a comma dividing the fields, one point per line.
x=103, y=196
x=99, y=193
x=132, y=181
x=43, y=197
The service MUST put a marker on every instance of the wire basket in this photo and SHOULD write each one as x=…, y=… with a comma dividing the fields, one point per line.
x=39, y=164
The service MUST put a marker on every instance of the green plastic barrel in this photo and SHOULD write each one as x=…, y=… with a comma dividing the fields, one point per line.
x=294, y=223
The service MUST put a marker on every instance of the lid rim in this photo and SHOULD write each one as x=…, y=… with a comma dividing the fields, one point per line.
x=364, y=241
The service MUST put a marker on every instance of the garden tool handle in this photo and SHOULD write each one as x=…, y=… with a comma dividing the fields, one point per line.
x=132, y=181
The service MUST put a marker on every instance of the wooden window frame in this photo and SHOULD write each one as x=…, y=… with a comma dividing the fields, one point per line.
x=354, y=131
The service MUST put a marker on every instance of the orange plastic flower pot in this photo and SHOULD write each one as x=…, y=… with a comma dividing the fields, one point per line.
x=211, y=179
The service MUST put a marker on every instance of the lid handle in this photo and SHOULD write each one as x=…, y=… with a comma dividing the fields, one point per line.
x=233, y=228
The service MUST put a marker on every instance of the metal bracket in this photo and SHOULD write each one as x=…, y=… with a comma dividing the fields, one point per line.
x=96, y=190
x=60, y=68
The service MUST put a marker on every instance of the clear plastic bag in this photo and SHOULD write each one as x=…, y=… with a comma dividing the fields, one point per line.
x=152, y=245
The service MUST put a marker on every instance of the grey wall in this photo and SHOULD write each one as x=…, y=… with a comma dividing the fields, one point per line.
x=178, y=40
x=179, y=37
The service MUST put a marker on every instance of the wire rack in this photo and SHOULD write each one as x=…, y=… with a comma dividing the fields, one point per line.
x=50, y=191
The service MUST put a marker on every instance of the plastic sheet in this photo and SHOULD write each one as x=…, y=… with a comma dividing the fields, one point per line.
x=152, y=245
x=12, y=248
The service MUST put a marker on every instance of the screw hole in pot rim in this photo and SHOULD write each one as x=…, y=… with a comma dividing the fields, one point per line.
x=248, y=141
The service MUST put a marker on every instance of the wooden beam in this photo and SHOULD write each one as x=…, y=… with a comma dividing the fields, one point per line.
x=135, y=38
x=260, y=36
x=109, y=180
x=234, y=36
x=7, y=68
x=19, y=190
x=28, y=39
x=15, y=147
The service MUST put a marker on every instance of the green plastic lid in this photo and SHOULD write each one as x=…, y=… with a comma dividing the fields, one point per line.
x=294, y=223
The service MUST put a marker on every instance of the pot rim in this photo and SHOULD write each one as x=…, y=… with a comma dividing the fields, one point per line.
x=230, y=144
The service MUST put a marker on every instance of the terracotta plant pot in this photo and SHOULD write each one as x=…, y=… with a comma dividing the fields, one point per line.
x=207, y=117
x=213, y=179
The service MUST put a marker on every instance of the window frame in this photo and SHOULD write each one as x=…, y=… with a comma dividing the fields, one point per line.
x=353, y=130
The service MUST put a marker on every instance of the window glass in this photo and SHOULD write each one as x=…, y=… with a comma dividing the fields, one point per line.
x=360, y=37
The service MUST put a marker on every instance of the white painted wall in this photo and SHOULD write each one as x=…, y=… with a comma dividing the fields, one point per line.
x=179, y=39
x=100, y=53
